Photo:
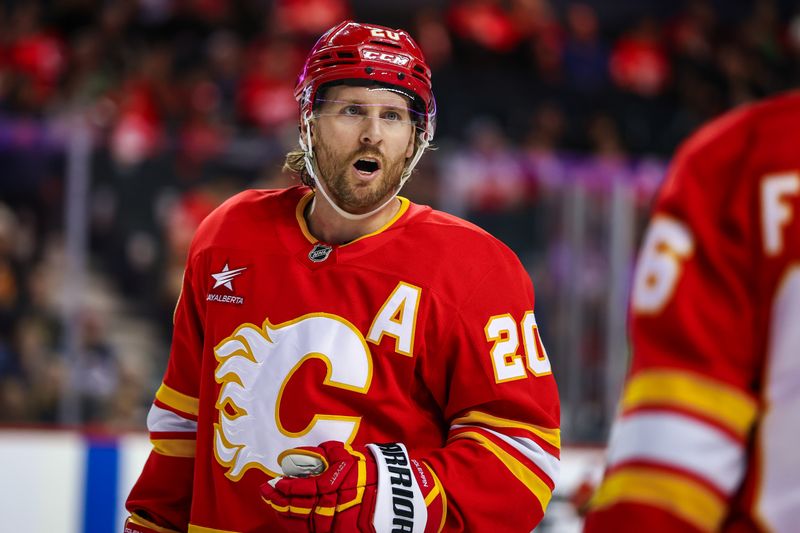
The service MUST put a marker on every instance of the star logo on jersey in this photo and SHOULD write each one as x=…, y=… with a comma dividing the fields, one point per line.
x=226, y=276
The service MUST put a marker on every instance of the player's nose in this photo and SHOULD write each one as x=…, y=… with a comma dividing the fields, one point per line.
x=371, y=131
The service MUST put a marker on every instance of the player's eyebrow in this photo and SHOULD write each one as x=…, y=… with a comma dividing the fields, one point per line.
x=356, y=101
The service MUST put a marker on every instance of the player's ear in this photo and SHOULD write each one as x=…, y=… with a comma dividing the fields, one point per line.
x=411, y=143
x=304, y=125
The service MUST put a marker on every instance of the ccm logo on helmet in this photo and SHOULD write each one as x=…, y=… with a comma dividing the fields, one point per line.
x=376, y=32
x=384, y=56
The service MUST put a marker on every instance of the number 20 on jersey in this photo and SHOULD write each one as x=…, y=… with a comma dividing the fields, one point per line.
x=508, y=365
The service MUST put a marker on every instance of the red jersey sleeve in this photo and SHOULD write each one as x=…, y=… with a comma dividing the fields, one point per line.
x=498, y=395
x=162, y=495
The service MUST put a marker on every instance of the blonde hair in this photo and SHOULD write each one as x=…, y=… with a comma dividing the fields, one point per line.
x=295, y=164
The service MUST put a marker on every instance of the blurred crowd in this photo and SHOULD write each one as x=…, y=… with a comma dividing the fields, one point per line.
x=189, y=101
x=193, y=73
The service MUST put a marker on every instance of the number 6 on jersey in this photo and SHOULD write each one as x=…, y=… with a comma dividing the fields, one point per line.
x=506, y=362
x=667, y=244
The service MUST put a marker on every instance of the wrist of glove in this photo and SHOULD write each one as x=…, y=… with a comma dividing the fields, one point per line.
x=336, y=488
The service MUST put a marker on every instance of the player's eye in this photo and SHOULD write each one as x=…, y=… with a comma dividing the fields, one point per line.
x=352, y=110
x=392, y=115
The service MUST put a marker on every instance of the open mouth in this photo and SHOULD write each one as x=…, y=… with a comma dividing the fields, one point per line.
x=367, y=165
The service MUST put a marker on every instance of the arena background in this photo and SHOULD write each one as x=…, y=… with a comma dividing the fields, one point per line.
x=124, y=122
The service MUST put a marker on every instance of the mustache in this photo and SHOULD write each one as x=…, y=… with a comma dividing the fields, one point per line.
x=368, y=152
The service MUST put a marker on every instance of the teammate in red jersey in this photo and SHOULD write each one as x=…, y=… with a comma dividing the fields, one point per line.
x=705, y=440
x=345, y=360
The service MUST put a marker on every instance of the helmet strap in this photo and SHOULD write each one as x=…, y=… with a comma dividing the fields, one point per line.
x=308, y=156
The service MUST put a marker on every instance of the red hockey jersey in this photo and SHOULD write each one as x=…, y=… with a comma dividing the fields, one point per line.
x=421, y=333
x=705, y=440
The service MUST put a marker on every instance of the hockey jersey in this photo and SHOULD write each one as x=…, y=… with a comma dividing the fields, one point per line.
x=705, y=439
x=422, y=332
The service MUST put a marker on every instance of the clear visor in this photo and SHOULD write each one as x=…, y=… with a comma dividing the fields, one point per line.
x=350, y=112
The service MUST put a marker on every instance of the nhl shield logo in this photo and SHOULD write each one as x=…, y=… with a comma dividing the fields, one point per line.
x=320, y=252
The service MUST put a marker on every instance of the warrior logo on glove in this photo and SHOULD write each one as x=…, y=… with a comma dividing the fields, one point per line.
x=377, y=488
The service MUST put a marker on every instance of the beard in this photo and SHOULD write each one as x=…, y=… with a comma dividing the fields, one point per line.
x=352, y=196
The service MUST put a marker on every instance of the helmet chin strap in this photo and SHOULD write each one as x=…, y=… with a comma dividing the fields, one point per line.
x=308, y=151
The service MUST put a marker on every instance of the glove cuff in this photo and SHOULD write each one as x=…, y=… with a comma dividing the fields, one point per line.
x=404, y=484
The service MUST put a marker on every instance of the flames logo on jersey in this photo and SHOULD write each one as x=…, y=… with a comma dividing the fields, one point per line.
x=254, y=366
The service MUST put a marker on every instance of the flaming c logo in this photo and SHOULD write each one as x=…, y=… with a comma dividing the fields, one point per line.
x=254, y=366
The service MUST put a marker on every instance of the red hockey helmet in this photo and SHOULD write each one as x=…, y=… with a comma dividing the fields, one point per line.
x=369, y=53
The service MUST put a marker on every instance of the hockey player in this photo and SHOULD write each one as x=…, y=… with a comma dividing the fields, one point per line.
x=345, y=360
x=705, y=440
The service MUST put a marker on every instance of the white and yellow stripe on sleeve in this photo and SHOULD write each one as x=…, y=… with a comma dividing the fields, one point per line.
x=679, y=495
x=526, y=447
x=551, y=436
x=535, y=484
x=681, y=442
x=171, y=433
x=678, y=446
x=723, y=404
x=177, y=400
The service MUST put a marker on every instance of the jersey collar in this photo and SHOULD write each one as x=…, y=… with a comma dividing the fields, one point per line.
x=301, y=220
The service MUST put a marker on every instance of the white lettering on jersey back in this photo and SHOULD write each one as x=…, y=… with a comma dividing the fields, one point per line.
x=778, y=500
x=255, y=364
x=775, y=210
x=398, y=318
x=668, y=242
